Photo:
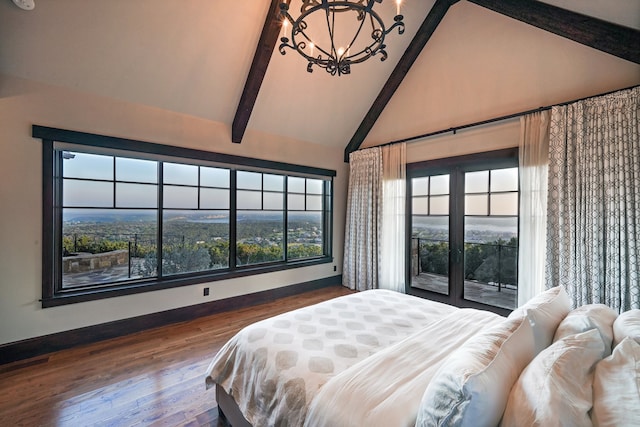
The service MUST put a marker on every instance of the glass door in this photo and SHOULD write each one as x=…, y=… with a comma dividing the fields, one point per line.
x=463, y=232
x=430, y=233
x=491, y=237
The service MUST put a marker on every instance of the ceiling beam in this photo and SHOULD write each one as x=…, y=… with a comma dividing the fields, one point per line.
x=617, y=40
x=419, y=41
x=261, y=58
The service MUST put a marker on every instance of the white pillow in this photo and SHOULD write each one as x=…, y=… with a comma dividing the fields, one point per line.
x=616, y=387
x=627, y=325
x=545, y=312
x=472, y=386
x=586, y=317
x=555, y=389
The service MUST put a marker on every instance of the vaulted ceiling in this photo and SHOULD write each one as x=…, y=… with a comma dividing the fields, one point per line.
x=195, y=57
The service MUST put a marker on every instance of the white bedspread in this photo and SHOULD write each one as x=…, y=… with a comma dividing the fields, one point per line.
x=386, y=389
x=274, y=368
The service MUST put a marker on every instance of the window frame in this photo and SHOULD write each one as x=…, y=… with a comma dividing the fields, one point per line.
x=52, y=292
x=496, y=159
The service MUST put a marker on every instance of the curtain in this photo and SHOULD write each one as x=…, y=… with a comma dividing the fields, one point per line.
x=594, y=200
x=533, y=162
x=392, y=242
x=363, y=222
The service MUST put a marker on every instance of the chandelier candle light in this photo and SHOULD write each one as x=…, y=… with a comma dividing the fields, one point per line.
x=327, y=33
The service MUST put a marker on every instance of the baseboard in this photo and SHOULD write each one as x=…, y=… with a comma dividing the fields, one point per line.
x=37, y=346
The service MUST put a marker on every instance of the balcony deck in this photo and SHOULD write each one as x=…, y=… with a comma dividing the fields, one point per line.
x=474, y=291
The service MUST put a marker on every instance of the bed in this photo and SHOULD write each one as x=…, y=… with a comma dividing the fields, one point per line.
x=381, y=358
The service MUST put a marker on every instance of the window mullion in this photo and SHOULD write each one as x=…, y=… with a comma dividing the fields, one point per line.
x=199, y=188
x=327, y=193
x=456, y=237
x=160, y=215
x=113, y=196
x=233, y=219
x=285, y=207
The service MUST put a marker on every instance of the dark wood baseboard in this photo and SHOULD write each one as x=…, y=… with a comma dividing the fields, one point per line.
x=37, y=346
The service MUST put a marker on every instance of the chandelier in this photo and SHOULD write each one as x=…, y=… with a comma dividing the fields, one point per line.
x=332, y=34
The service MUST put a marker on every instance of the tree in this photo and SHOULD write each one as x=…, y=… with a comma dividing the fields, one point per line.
x=177, y=259
x=434, y=258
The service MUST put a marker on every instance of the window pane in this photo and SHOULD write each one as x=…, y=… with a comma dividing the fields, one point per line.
x=176, y=173
x=260, y=237
x=180, y=197
x=90, y=194
x=314, y=186
x=106, y=246
x=194, y=241
x=295, y=202
x=420, y=206
x=430, y=253
x=249, y=200
x=304, y=236
x=273, y=182
x=490, y=260
x=295, y=184
x=476, y=182
x=440, y=184
x=249, y=180
x=90, y=166
x=214, y=198
x=420, y=186
x=136, y=195
x=214, y=177
x=273, y=201
x=314, y=203
x=504, y=179
x=159, y=218
x=439, y=205
x=504, y=204
x=136, y=170
x=476, y=205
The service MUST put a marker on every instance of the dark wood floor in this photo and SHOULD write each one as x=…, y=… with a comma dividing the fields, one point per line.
x=154, y=377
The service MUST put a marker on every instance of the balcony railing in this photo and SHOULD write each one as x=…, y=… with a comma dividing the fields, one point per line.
x=493, y=264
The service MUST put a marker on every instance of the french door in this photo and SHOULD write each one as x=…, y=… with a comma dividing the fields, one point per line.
x=463, y=230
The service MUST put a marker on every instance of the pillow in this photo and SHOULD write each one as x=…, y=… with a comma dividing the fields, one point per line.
x=616, y=387
x=472, y=386
x=591, y=316
x=555, y=389
x=545, y=311
x=627, y=325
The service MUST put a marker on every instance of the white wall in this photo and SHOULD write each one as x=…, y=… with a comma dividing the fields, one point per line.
x=24, y=103
x=479, y=65
x=468, y=141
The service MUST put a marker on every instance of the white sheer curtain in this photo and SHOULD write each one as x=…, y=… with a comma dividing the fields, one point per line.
x=594, y=200
x=534, y=169
x=392, y=243
x=363, y=221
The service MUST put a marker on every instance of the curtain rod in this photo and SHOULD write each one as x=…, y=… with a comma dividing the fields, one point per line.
x=497, y=119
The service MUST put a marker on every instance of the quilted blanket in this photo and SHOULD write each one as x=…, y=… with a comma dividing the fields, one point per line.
x=274, y=368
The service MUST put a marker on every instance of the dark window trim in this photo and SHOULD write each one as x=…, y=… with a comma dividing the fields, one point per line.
x=496, y=159
x=468, y=162
x=53, y=295
x=115, y=143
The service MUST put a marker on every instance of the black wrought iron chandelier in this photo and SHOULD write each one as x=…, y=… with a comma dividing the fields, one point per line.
x=339, y=43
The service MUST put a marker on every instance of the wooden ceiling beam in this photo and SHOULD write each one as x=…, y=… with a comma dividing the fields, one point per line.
x=429, y=25
x=617, y=40
x=261, y=58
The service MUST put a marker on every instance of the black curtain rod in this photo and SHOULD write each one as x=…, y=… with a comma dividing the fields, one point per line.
x=497, y=119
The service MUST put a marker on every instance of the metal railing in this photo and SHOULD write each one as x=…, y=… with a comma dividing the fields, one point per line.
x=500, y=250
x=133, y=242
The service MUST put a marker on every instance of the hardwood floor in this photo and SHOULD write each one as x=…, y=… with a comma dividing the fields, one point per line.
x=154, y=377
